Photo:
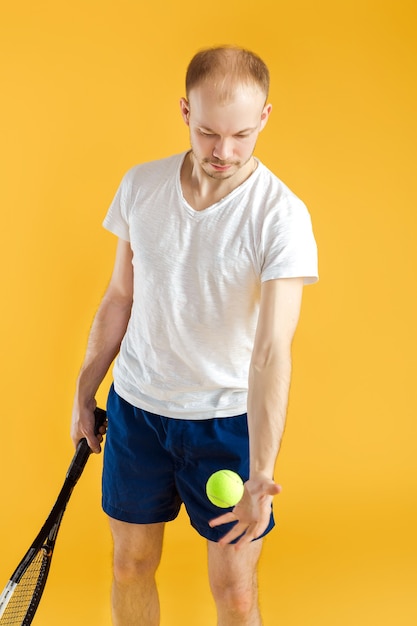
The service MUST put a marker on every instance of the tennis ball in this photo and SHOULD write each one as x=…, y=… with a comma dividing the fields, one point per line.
x=224, y=488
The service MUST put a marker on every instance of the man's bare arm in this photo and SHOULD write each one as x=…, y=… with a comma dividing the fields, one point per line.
x=106, y=334
x=270, y=371
x=269, y=383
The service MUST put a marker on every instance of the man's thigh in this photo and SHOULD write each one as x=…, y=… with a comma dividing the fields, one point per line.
x=136, y=544
x=231, y=567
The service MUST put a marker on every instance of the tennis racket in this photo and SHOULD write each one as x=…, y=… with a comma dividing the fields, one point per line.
x=22, y=594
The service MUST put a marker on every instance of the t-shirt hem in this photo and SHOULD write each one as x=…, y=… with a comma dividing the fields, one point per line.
x=159, y=408
x=309, y=279
x=115, y=229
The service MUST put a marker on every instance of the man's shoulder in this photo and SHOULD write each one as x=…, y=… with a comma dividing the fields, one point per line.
x=154, y=169
x=275, y=189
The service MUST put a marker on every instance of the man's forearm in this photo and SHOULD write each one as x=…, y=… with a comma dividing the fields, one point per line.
x=267, y=409
x=107, y=331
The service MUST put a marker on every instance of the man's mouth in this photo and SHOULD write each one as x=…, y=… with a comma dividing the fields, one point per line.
x=221, y=167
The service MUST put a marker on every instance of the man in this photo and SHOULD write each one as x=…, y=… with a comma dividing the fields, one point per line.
x=200, y=311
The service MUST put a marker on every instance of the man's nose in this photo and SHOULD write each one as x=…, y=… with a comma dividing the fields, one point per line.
x=223, y=150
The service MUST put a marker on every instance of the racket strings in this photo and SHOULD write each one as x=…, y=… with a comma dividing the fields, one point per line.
x=27, y=592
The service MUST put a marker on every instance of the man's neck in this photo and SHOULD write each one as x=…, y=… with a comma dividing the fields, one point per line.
x=201, y=190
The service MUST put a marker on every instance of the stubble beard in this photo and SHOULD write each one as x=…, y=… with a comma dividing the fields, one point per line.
x=205, y=164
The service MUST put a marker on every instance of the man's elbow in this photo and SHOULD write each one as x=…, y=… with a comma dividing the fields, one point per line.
x=268, y=357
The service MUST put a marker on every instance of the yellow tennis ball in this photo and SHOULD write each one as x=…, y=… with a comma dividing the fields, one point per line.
x=224, y=488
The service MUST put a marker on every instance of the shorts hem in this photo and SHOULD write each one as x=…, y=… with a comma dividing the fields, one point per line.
x=138, y=518
x=215, y=534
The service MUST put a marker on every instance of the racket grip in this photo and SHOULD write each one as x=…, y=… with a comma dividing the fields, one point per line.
x=83, y=450
x=100, y=417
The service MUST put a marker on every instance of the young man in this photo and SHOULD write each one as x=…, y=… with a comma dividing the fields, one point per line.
x=200, y=311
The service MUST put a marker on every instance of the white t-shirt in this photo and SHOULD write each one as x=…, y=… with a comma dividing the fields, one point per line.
x=197, y=277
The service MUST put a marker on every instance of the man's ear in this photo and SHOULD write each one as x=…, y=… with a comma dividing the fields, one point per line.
x=265, y=115
x=185, y=110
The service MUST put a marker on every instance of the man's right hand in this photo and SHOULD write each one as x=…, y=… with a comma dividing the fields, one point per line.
x=83, y=421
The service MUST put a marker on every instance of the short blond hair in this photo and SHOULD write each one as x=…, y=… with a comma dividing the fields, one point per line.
x=227, y=67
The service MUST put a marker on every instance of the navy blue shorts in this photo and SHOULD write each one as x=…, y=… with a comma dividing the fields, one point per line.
x=153, y=464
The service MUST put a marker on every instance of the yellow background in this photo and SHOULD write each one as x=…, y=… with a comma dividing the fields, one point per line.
x=90, y=88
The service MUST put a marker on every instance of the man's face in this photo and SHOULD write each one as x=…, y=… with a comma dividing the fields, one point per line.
x=223, y=134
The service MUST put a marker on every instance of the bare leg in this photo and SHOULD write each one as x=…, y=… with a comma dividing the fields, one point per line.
x=234, y=583
x=137, y=553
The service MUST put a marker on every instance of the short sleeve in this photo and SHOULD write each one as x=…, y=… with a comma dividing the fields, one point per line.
x=288, y=243
x=117, y=218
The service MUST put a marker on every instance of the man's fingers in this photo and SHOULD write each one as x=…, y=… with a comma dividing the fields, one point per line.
x=223, y=519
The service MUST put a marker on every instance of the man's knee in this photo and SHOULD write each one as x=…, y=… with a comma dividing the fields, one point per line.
x=233, y=578
x=128, y=567
x=240, y=597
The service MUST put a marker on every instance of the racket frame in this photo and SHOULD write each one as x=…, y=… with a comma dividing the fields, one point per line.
x=45, y=539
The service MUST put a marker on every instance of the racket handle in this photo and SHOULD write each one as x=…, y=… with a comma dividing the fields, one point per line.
x=83, y=450
x=100, y=417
